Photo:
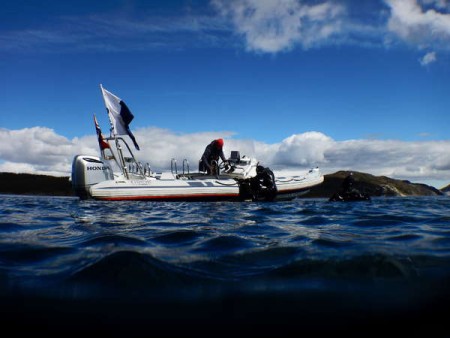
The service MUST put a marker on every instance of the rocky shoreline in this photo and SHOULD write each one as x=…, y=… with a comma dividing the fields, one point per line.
x=30, y=184
x=373, y=186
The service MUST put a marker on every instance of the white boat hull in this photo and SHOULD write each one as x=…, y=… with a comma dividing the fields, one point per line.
x=169, y=190
x=93, y=177
x=294, y=186
x=196, y=189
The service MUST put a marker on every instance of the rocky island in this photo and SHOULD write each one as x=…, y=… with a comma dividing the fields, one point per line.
x=372, y=185
x=446, y=190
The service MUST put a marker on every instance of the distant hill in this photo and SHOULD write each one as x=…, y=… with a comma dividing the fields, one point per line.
x=446, y=190
x=373, y=185
x=29, y=184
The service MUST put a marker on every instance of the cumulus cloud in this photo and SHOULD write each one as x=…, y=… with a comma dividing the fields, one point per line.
x=303, y=149
x=273, y=26
x=276, y=26
x=423, y=23
x=40, y=150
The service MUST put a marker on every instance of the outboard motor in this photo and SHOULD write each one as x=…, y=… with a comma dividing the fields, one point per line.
x=86, y=171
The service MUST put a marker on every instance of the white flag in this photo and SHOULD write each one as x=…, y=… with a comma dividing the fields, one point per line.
x=119, y=114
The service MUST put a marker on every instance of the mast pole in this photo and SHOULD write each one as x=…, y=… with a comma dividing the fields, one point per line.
x=123, y=166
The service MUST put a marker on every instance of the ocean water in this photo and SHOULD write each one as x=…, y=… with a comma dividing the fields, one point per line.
x=224, y=268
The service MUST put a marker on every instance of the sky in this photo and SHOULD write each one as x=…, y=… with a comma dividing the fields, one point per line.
x=358, y=85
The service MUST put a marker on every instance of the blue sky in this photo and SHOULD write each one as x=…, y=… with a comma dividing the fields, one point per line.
x=360, y=85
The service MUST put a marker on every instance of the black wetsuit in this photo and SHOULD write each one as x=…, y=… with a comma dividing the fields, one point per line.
x=348, y=184
x=263, y=184
x=212, y=153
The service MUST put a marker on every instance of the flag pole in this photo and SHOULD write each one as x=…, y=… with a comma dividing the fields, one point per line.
x=97, y=127
x=102, y=139
x=113, y=135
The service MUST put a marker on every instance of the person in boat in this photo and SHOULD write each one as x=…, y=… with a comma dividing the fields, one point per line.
x=210, y=157
x=263, y=184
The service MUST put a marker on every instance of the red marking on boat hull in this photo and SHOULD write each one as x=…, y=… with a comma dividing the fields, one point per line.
x=197, y=197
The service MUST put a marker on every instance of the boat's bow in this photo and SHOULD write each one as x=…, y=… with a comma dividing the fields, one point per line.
x=297, y=185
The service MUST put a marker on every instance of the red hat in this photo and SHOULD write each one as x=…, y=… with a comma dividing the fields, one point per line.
x=219, y=143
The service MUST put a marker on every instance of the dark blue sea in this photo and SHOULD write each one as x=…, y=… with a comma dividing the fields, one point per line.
x=233, y=269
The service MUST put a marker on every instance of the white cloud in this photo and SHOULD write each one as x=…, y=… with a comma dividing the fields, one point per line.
x=41, y=150
x=428, y=58
x=417, y=24
x=274, y=26
x=305, y=149
x=265, y=26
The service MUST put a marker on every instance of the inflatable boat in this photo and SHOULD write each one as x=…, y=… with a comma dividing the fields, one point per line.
x=117, y=175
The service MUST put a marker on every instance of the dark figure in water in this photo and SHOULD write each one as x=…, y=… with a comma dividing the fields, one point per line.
x=348, y=183
x=348, y=191
x=263, y=184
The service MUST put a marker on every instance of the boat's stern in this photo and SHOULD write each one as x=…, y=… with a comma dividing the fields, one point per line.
x=87, y=171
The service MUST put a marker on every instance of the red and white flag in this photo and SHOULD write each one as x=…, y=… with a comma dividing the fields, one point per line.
x=101, y=140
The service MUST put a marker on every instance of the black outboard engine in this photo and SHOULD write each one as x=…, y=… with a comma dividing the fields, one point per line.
x=263, y=185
